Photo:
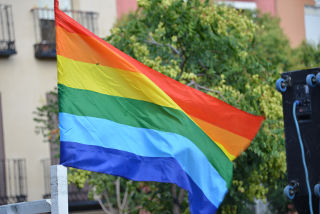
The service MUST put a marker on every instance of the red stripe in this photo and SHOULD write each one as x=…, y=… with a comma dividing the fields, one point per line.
x=193, y=102
x=70, y=25
x=204, y=106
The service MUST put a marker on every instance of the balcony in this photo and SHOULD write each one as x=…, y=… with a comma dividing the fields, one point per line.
x=7, y=41
x=45, y=47
x=13, y=181
x=78, y=198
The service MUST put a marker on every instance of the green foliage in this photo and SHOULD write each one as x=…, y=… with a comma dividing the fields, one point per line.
x=45, y=114
x=233, y=55
x=46, y=118
x=236, y=54
x=306, y=56
x=135, y=196
x=185, y=40
x=270, y=44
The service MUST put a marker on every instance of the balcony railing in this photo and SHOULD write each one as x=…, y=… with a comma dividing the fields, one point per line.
x=13, y=181
x=78, y=198
x=7, y=41
x=45, y=47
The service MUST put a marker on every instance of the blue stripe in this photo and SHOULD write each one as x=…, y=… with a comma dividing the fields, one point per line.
x=146, y=143
x=133, y=167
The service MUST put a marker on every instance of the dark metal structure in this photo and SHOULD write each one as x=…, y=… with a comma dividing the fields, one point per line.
x=7, y=40
x=13, y=183
x=44, y=26
x=296, y=87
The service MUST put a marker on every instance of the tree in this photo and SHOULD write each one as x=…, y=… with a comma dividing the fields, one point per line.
x=228, y=53
x=306, y=56
x=223, y=52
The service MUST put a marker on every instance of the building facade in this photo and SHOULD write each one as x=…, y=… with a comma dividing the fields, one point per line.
x=27, y=73
x=299, y=19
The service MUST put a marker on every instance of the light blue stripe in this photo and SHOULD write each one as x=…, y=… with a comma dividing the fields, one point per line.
x=148, y=143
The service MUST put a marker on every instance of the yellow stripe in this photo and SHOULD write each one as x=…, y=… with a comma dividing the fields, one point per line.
x=116, y=82
x=111, y=81
x=230, y=156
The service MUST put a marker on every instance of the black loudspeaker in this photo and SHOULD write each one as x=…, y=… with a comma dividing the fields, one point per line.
x=303, y=86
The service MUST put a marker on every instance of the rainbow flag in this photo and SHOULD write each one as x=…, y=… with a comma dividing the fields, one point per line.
x=120, y=117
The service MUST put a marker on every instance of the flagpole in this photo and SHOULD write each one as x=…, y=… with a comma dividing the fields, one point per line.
x=59, y=189
x=56, y=4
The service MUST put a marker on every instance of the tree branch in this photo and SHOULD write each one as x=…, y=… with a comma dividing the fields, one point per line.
x=105, y=194
x=96, y=197
x=197, y=86
x=174, y=50
x=191, y=83
x=117, y=183
x=181, y=196
x=183, y=59
x=203, y=65
x=176, y=205
x=103, y=207
x=125, y=197
x=124, y=200
x=174, y=191
x=211, y=90
x=182, y=64
x=130, y=196
x=152, y=41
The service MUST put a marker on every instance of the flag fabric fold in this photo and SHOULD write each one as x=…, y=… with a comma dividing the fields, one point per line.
x=120, y=117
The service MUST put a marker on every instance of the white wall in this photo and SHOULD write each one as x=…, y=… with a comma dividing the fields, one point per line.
x=312, y=24
x=24, y=82
x=107, y=13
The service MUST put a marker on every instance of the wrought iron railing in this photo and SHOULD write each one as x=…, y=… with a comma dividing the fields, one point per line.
x=13, y=181
x=44, y=26
x=46, y=175
x=7, y=41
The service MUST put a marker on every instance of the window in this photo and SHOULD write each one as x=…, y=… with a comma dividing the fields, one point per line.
x=7, y=44
x=13, y=187
x=312, y=23
x=3, y=191
x=45, y=47
x=13, y=179
x=1, y=135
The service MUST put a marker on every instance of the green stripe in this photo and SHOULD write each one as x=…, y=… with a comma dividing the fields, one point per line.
x=143, y=114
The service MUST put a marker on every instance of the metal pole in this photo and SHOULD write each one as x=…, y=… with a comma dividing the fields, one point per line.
x=59, y=189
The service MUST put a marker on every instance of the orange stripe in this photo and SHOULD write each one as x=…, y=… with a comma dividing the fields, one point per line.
x=88, y=49
x=205, y=107
x=231, y=142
